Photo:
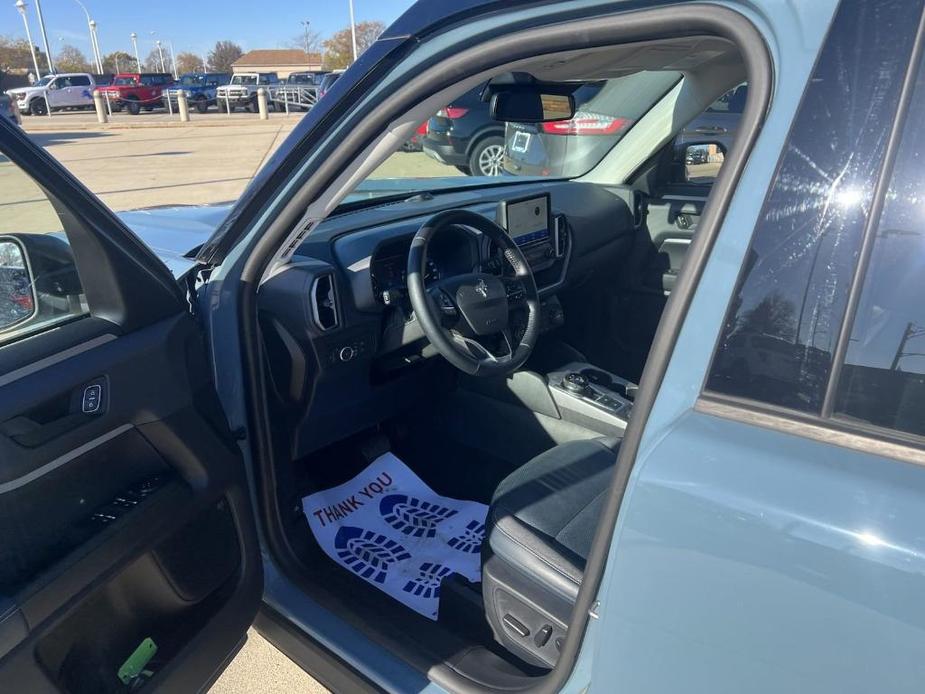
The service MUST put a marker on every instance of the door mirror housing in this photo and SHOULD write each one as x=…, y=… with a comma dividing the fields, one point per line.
x=527, y=105
x=38, y=280
x=698, y=162
x=18, y=300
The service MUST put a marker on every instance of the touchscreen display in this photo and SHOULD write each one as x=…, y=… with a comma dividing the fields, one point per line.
x=527, y=221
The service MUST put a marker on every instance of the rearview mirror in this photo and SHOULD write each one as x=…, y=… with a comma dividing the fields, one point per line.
x=17, y=287
x=529, y=106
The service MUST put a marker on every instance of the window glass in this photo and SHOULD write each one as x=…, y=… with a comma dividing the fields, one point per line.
x=776, y=345
x=883, y=379
x=80, y=81
x=39, y=285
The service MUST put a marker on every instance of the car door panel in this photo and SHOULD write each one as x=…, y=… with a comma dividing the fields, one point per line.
x=129, y=504
x=124, y=514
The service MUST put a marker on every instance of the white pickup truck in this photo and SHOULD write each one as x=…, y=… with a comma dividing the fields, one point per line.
x=242, y=90
x=55, y=92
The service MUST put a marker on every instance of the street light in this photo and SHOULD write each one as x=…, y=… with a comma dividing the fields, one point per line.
x=353, y=30
x=173, y=60
x=160, y=54
x=94, y=44
x=21, y=7
x=38, y=11
x=135, y=46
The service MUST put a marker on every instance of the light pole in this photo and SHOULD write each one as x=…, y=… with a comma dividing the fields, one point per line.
x=173, y=60
x=21, y=7
x=353, y=30
x=305, y=24
x=94, y=44
x=135, y=46
x=160, y=54
x=38, y=11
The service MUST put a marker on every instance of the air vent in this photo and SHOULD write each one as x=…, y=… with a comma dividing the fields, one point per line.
x=561, y=240
x=324, y=302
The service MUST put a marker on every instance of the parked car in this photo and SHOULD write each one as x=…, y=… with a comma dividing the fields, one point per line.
x=328, y=81
x=242, y=91
x=719, y=123
x=415, y=143
x=9, y=110
x=55, y=92
x=134, y=91
x=200, y=88
x=464, y=135
x=300, y=90
x=609, y=431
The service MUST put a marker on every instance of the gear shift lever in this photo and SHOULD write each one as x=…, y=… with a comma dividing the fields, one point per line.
x=576, y=383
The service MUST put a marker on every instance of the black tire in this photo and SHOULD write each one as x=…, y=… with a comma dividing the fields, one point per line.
x=251, y=106
x=133, y=106
x=38, y=107
x=464, y=169
x=202, y=105
x=487, y=157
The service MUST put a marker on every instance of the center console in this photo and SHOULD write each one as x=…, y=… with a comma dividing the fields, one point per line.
x=592, y=397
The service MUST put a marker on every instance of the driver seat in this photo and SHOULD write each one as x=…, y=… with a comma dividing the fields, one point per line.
x=539, y=529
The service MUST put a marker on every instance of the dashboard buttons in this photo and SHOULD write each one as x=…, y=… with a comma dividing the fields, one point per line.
x=92, y=399
x=345, y=353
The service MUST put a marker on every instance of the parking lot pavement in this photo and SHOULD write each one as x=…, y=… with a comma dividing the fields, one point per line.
x=155, y=166
x=259, y=667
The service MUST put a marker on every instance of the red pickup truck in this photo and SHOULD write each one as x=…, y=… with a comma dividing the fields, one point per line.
x=137, y=90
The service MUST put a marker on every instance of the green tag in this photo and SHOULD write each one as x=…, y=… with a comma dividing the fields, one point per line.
x=135, y=664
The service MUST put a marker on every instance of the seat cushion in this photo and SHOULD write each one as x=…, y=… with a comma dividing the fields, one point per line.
x=540, y=525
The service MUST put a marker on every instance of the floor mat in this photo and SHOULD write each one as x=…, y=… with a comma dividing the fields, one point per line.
x=388, y=527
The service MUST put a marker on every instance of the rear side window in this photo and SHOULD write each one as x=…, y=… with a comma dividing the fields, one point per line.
x=883, y=378
x=786, y=315
x=80, y=81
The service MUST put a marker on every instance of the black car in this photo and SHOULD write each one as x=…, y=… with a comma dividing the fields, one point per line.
x=464, y=135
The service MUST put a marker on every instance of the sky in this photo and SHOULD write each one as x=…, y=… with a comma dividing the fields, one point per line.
x=192, y=25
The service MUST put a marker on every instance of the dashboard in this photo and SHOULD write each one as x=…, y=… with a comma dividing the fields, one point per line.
x=337, y=318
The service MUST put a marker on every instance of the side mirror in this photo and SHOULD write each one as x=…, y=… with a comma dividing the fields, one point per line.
x=699, y=162
x=53, y=85
x=529, y=106
x=18, y=300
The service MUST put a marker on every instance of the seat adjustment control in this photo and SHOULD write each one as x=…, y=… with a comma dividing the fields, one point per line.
x=542, y=636
x=516, y=626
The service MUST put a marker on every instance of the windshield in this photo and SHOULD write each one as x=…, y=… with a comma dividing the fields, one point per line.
x=43, y=82
x=191, y=80
x=461, y=145
x=124, y=81
x=244, y=79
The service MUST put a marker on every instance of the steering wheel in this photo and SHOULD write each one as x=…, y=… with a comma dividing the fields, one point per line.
x=462, y=315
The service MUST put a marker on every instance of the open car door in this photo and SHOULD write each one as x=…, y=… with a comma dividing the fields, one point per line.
x=128, y=551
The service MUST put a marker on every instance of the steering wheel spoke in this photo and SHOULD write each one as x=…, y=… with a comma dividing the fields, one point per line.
x=479, y=350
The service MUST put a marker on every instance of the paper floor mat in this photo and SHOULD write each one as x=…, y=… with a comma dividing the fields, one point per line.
x=388, y=527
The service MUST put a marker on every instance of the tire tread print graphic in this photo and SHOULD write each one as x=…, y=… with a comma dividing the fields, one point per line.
x=427, y=583
x=469, y=539
x=412, y=516
x=368, y=554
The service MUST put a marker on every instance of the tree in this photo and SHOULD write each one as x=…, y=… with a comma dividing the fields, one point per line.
x=223, y=55
x=16, y=57
x=188, y=62
x=308, y=41
x=152, y=63
x=119, y=61
x=71, y=59
x=338, y=50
